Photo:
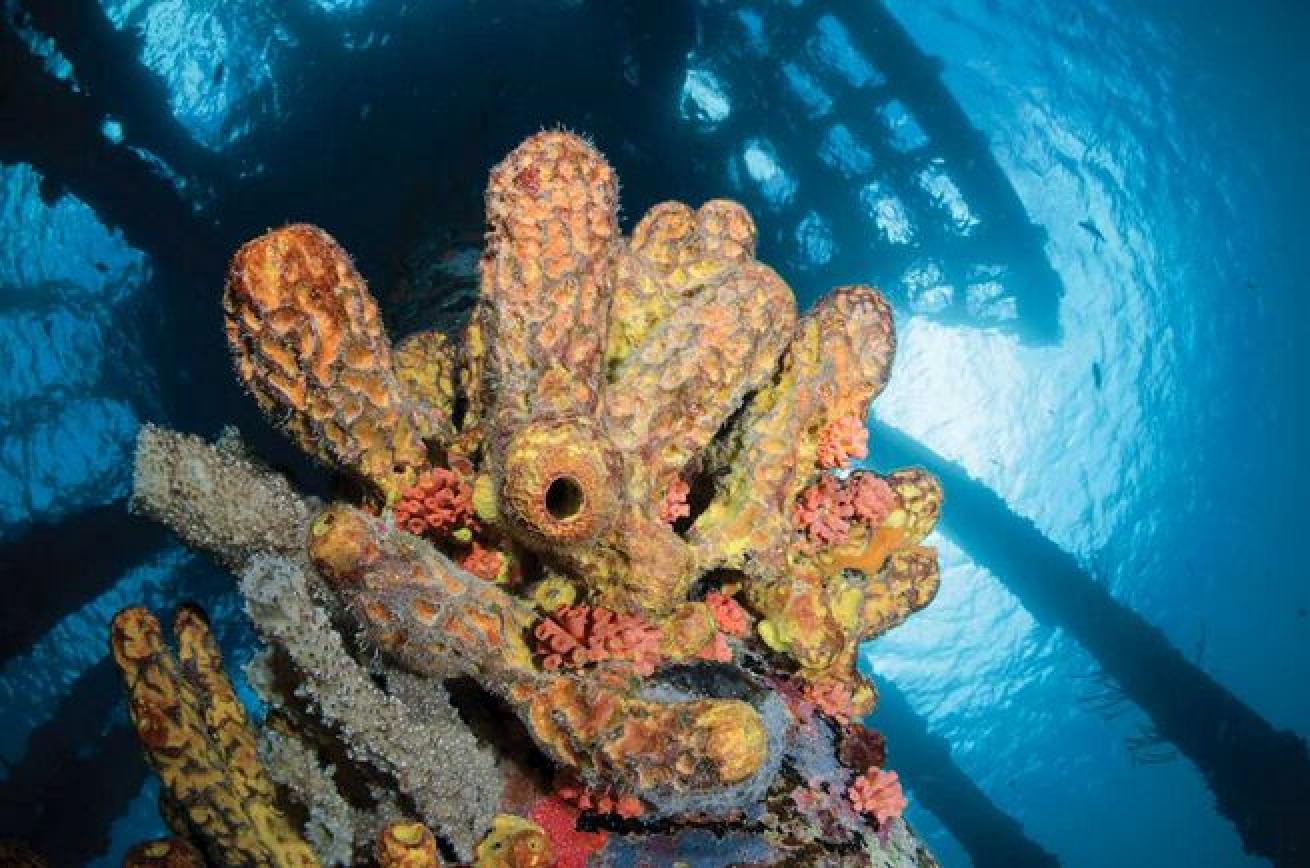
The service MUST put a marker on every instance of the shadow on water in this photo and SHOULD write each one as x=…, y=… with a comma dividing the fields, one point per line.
x=80, y=770
x=873, y=129
x=52, y=569
x=1260, y=776
x=992, y=838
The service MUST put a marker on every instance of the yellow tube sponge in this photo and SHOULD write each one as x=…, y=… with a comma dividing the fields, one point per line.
x=198, y=741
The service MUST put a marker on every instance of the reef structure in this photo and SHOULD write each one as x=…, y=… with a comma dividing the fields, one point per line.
x=600, y=590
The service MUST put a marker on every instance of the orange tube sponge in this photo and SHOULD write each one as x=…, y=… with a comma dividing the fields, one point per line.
x=407, y=844
x=197, y=739
x=425, y=365
x=309, y=345
x=837, y=362
x=552, y=208
x=414, y=604
x=514, y=842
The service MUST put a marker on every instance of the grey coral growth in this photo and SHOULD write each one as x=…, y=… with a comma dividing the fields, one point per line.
x=453, y=780
x=215, y=497
x=332, y=826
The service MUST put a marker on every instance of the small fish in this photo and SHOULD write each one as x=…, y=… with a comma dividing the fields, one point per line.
x=1091, y=229
x=1096, y=375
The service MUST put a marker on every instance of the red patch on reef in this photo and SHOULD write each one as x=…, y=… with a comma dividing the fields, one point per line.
x=861, y=748
x=440, y=501
x=872, y=499
x=483, y=562
x=674, y=506
x=878, y=794
x=728, y=614
x=559, y=820
x=578, y=635
x=824, y=512
x=605, y=802
x=528, y=180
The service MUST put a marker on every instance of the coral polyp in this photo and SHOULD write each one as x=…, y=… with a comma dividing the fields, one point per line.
x=611, y=535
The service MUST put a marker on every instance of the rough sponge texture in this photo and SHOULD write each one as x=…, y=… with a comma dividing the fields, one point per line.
x=196, y=737
x=217, y=499
x=404, y=844
x=452, y=781
x=425, y=612
x=618, y=524
x=309, y=344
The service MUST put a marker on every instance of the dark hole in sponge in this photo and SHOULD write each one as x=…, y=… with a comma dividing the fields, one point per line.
x=563, y=498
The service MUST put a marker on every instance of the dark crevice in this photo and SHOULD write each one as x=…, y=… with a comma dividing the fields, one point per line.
x=88, y=748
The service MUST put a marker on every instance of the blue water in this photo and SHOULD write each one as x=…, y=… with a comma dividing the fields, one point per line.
x=1088, y=216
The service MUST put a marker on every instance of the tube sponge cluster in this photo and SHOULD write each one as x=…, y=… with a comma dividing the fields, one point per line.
x=611, y=536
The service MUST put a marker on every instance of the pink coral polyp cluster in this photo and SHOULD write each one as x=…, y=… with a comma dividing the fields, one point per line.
x=877, y=793
x=728, y=614
x=576, y=636
x=439, y=502
x=833, y=698
x=674, y=506
x=872, y=499
x=841, y=440
x=824, y=512
x=483, y=562
x=717, y=649
x=602, y=802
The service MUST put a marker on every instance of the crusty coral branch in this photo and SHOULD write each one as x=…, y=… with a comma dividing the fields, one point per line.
x=436, y=762
x=332, y=824
x=310, y=346
x=187, y=718
x=836, y=364
x=425, y=612
x=215, y=497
